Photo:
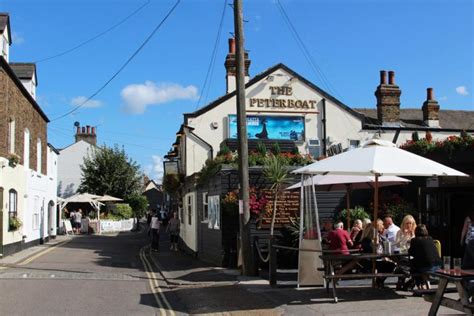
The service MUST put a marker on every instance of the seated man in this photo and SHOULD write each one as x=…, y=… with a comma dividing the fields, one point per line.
x=339, y=239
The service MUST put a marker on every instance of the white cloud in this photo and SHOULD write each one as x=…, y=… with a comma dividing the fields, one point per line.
x=138, y=96
x=17, y=38
x=89, y=104
x=155, y=169
x=462, y=90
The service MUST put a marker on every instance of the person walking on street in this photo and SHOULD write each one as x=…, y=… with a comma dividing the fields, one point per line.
x=155, y=232
x=72, y=219
x=173, y=229
x=78, y=220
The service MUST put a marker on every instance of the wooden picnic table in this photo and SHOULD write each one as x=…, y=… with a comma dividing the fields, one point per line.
x=349, y=261
x=461, y=280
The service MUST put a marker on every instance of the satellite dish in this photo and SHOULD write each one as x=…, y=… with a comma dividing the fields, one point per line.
x=77, y=124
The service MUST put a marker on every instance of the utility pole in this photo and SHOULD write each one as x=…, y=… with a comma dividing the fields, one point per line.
x=244, y=211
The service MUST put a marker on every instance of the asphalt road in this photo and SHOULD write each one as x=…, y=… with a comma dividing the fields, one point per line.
x=117, y=275
x=89, y=275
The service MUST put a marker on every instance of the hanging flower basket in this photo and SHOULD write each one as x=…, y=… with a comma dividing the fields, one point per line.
x=13, y=160
x=14, y=223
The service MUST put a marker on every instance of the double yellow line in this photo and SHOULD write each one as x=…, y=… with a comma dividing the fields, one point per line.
x=154, y=285
x=42, y=253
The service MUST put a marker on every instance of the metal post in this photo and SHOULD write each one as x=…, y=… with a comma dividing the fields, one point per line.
x=244, y=211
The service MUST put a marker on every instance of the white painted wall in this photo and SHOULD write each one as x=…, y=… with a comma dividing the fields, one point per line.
x=38, y=222
x=188, y=231
x=12, y=178
x=30, y=86
x=69, y=171
x=4, y=46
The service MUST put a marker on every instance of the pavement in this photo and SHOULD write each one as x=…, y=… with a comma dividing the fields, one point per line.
x=118, y=275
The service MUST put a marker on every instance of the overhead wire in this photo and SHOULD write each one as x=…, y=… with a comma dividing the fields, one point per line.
x=318, y=71
x=61, y=131
x=135, y=53
x=93, y=38
x=210, y=67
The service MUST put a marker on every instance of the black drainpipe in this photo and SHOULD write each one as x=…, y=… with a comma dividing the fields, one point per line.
x=324, y=127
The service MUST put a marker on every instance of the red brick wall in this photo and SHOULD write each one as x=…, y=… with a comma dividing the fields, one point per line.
x=14, y=105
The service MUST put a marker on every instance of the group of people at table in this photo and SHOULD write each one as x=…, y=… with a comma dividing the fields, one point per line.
x=408, y=238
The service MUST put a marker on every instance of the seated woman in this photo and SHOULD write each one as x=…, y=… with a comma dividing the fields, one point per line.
x=402, y=244
x=425, y=255
x=367, y=242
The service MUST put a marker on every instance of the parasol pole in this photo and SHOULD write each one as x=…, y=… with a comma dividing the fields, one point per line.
x=376, y=196
x=348, y=206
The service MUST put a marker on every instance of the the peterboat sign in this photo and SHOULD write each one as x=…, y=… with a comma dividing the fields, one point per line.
x=276, y=102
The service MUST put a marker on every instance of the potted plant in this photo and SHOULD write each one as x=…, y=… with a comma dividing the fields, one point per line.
x=14, y=223
x=13, y=160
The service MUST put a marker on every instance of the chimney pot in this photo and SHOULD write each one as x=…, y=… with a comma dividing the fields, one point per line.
x=232, y=45
x=391, y=77
x=88, y=129
x=78, y=130
x=93, y=130
x=83, y=130
x=383, y=77
x=429, y=94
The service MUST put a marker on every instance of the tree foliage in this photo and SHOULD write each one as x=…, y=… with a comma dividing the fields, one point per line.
x=276, y=172
x=110, y=171
x=139, y=204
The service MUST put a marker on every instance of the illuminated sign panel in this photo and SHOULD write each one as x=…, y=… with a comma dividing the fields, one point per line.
x=270, y=127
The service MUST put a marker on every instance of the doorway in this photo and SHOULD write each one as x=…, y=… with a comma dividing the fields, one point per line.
x=51, y=219
x=460, y=203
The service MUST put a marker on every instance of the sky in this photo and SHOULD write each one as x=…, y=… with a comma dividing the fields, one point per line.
x=428, y=43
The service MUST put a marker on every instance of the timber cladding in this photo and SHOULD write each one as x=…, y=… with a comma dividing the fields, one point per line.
x=14, y=105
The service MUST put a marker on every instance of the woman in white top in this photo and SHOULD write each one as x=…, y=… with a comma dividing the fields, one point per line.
x=406, y=233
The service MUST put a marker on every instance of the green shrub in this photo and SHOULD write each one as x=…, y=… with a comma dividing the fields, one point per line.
x=357, y=212
x=121, y=211
x=14, y=223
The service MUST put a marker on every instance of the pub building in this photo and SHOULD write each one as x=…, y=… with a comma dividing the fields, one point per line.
x=285, y=108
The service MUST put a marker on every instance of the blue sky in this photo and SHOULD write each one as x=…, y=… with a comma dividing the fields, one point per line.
x=428, y=43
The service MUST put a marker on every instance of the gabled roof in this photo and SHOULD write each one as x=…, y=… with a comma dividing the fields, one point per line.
x=53, y=148
x=263, y=75
x=21, y=87
x=25, y=70
x=5, y=23
x=449, y=120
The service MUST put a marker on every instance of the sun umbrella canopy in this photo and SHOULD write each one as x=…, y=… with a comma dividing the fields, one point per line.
x=108, y=198
x=347, y=182
x=81, y=198
x=379, y=157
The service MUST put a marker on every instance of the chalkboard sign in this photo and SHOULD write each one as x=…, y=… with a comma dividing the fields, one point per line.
x=67, y=226
x=288, y=205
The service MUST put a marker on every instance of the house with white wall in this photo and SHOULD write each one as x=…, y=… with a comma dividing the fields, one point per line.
x=28, y=164
x=284, y=107
x=71, y=159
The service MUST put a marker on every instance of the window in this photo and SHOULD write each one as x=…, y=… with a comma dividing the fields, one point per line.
x=26, y=149
x=36, y=205
x=214, y=212
x=354, y=143
x=11, y=136
x=189, y=208
x=205, y=208
x=12, y=203
x=38, y=156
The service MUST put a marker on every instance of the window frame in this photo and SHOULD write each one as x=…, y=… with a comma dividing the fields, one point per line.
x=205, y=208
x=12, y=203
x=11, y=135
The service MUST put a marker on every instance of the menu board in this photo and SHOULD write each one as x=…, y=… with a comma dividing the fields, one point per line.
x=288, y=205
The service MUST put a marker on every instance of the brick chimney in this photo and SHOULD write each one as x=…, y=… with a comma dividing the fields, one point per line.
x=231, y=67
x=388, y=100
x=86, y=134
x=430, y=109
